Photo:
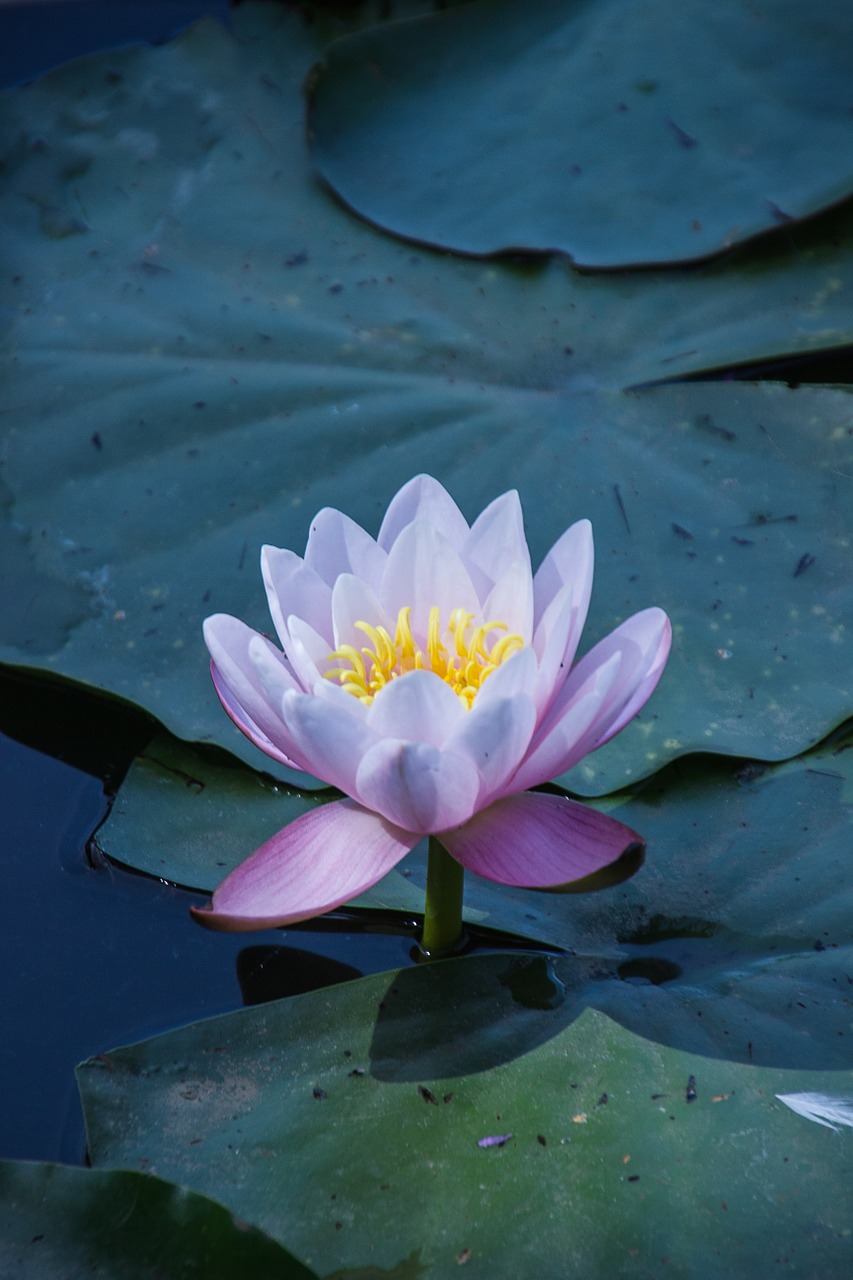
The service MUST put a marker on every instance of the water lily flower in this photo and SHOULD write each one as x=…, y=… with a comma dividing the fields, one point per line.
x=430, y=676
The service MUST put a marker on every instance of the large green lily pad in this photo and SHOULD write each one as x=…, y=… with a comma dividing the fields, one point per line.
x=204, y=349
x=738, y=927
x=60, y=1223
x=619, y=136
x=411, y=1122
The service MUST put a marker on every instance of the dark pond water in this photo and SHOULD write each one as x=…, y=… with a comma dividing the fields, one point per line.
x=94, y=956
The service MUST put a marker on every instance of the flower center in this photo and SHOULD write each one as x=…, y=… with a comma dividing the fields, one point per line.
x=463, y=657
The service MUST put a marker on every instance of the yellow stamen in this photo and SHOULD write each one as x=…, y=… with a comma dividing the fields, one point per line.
x=463, y=659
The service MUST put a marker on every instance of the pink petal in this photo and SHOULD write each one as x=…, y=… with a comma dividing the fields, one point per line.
x=423, y=498
x=331, y=735
x=247, y=725
x=570, y=560
x=316, y=863
x=539, y=841
x=416, y=786
x=418, y=707
x=423, y=570
x=336, y=545
x=240, y=688
x=496, y=540
x=294, y=588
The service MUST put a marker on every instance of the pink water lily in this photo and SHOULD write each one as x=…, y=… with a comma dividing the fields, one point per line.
x=430, y=676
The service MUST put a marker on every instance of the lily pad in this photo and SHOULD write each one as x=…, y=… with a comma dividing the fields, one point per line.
x=735, y=937
x=409, y=1122
x=621, y=137
x=61, y=1223
x=204, y=349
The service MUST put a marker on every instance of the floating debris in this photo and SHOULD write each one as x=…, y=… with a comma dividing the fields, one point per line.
x=495, y=1140
x=827, y=1109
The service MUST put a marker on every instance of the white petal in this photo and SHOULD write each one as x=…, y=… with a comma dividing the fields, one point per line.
x=274, y=678
x=308, y=652
x=571, y=559
x=569, y=720
x=496, y=540
x=355, y=601
x=423, y=498
x=517, y=675
x=418, y=707
x=418, y=787
x=641, y=644
x=294, y=588
x=424, y=570
x=511, y=600
x=336, y=545
x=330, y=739
x=247, y=725
x=555, y=642
x=494, y=736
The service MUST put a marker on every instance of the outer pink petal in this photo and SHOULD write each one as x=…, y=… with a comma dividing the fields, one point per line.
x=293, y=587
x=418, y=707
x=423, y=498
x=336, y=545
x=495, y=541
x=571, y=559
x=248, y=726
x=330, y=735
x=317, y=862
x=418, y=787
x=424, y=569
x=539, y=841
x=241, y=689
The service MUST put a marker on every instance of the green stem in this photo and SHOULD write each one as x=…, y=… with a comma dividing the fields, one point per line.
x=443, y=911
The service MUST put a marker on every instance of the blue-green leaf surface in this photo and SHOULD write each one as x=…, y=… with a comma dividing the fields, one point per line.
x=446, y=1115
x=203, y=348
x=60, y=1223
x=619, y=135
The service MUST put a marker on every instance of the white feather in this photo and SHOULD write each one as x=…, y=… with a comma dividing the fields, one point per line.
x=824, y=1108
